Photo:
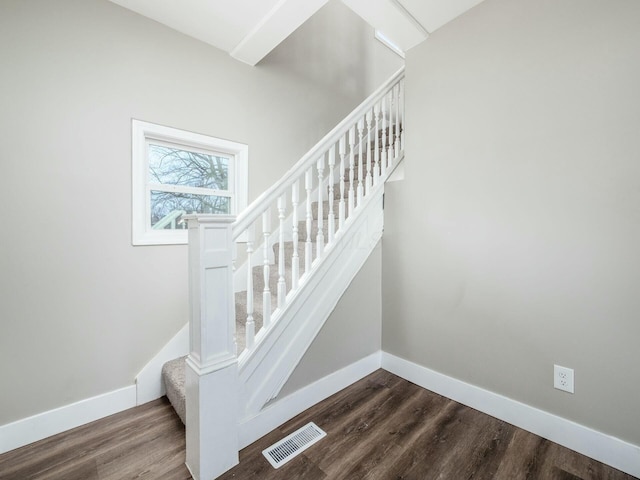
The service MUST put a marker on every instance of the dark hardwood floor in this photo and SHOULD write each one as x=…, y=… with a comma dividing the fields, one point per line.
x=382, y=427
x=146, y=442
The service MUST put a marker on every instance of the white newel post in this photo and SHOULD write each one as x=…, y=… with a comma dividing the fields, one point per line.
x=212, y=365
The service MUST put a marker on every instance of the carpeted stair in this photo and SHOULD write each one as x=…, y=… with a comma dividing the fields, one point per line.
x=173, y=372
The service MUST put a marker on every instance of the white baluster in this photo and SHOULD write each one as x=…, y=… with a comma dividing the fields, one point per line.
x=308, y=184
x=295, y=260
x=390, y=154
x=352, y=163
x=282, y=284
x=342, y=150
x=369, y=179
x=331, y=218
x=360, y=192
x=320, y=235
x=402, y=108
x=234, y=256
x=376, y=146
x=383, y=149
x=266, y=294
x=396, y=145
x=250, y=326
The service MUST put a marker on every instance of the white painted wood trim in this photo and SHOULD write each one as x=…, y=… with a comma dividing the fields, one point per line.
x=43, y=425
x=212, y=425
x=288, y=407
x=149, y=384
x=141, y=133
x=597, y=445
x=397, y=173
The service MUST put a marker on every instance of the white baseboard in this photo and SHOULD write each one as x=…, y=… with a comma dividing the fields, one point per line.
x=149, y=381
x=31, y=429
x=285, y=409
x=597, y=445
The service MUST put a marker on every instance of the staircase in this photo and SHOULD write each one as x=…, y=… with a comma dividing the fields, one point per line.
x=262, y=289
x=173, y=372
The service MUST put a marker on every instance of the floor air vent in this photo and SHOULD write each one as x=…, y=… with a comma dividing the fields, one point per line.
x=290, y=446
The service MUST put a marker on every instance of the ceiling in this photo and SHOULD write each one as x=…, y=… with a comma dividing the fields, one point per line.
x=249, y=29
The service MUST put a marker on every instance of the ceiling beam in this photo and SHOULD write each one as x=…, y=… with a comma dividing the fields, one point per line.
x=283, y=19
x=392, y=19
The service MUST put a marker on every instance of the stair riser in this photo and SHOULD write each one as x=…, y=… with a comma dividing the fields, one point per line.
x=325, y=207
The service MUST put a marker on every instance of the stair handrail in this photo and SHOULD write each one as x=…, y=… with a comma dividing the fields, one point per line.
x=269, y=196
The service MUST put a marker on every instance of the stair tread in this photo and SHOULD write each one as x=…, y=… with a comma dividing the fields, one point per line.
x=173, y=376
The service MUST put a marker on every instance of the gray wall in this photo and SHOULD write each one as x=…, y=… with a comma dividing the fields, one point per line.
x=351, y=333
x=513, y=242
x=81, y=310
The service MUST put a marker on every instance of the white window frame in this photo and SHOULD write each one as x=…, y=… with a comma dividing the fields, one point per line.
x=142, y=134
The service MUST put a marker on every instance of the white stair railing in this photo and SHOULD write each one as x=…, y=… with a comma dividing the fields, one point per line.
x=367, y=168
x=376, y=125
x=169, y=219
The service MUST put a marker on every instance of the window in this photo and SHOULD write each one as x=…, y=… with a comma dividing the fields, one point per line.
x=176, y=173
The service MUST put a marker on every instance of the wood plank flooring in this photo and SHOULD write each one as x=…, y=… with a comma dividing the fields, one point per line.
x=380, y=428
x=146, y=442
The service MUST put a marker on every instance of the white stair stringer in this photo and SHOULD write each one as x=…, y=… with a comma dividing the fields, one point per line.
x=264, y=370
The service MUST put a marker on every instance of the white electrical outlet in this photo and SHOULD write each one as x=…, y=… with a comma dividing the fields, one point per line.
x=563, y=378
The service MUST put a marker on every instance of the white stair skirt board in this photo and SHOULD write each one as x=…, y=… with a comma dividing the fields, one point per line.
x=278, y=412
x=43, y=425
x=294, y=444
x=597, y=445
x=397, y=173
x=149, y=384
